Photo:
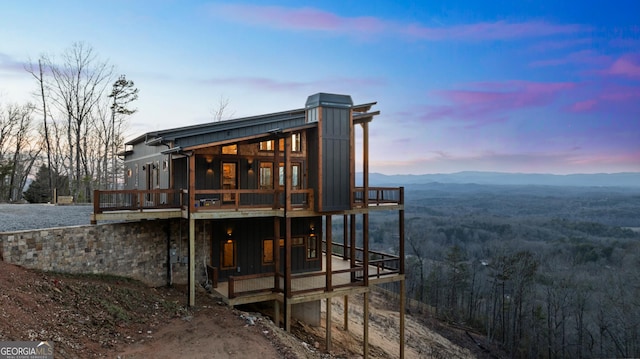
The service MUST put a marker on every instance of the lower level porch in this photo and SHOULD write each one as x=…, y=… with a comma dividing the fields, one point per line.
x=341, y=279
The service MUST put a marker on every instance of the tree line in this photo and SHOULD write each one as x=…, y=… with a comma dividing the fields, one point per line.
x=534, y=282
x=70, y=134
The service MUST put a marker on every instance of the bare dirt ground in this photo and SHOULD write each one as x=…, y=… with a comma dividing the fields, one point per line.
x=104, y=316
x=88, y=316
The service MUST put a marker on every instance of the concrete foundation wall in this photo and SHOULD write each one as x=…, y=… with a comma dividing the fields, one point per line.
x=135, y=249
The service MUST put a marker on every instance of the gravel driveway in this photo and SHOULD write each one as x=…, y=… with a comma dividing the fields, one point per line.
x=18, y=217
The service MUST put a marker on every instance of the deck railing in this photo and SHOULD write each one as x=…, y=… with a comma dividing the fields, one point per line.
x=135, y=200
x=205, y=200
x=378, y=196
x=380, y=264
x=212, y=199
x=384, y=263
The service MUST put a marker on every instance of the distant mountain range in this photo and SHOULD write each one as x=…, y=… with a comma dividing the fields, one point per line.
x=623, y=179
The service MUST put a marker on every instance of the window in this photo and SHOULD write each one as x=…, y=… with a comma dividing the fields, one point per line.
x=296, y=145
x=266, y=175
x=267, y=251
x=297, y=241
x=312, y=247
x=228, y=254
x=266, y=146
x=230, y=150
x=165, y=165
x=229, y=180
x=295, y=175
x=129, y=172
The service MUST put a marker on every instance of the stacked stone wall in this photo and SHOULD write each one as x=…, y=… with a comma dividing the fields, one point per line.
x=136, y=250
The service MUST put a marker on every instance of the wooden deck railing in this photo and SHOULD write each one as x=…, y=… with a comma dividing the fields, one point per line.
x=135, y=200
x=205, y=200
x=212, y=199
x=380, y=264
x=377, y=196
x=384, y=263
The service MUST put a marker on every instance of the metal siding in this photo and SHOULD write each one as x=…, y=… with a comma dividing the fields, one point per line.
x=249, y=234
x=335, y=166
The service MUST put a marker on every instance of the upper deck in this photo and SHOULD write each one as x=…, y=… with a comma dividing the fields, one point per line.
x=241, y=203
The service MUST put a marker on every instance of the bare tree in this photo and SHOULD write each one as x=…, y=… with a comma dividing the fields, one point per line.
x=79, y=83
x=39, y=77
x=221, y=112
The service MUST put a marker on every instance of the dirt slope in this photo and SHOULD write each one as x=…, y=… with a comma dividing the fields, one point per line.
x=102, y=316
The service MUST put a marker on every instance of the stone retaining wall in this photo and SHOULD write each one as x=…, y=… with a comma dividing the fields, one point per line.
x=136, y=250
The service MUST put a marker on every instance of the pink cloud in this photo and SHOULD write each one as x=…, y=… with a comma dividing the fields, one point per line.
x=610, y=99
x=297, y=18
x=499, y=30
x=267, y=84
x=585, y=57
x=552, y=45
x=312, y=19
x=626, y=66
x=583, y=106
x=491, y=102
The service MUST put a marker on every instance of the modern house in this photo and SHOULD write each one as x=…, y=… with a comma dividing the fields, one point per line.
x=262, y=194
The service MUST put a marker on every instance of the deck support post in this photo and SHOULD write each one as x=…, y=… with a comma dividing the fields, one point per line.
x=329, y=256
x=328, y=324
x=276, y=313
x=402, y=310
x=192, y=262
x=346, y=313
x=365, y=329
x=287, y=315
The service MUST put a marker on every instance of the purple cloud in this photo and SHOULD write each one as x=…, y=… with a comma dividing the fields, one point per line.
x=490, y=102
x=267, y=84
x=10, y=64
x=585, y=57
x=312, y=19
x=297, y=18
x=499, y=30
x=625, y=66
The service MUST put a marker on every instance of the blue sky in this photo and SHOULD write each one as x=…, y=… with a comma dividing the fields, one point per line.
x=512, y=86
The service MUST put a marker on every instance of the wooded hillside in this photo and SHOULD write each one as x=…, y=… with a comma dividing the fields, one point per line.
x=548, y=272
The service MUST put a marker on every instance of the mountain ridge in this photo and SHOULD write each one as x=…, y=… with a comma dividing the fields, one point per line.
x=620, y=179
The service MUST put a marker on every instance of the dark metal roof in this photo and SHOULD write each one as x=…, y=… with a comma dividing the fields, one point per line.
x=224, y=130
x=253, y=126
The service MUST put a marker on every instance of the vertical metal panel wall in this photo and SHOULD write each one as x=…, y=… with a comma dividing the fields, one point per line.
x=334, y=152
x=335, y=159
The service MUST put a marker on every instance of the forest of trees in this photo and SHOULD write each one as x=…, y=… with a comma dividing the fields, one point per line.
x=72, y=130
x=542, y=271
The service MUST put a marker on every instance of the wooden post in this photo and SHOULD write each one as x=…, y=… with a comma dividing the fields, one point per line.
x=352, y=246
x=287, y=256
x=328, y=324
x=192, y=262
x=287, y=315
x=345, y=237
x=276, y=312
x=365, y=247
x=402, y=309
x=329, y=237
x=365, y=199
x=276, y=253
x=346, y=313
x=402, y=228
x=365, y=329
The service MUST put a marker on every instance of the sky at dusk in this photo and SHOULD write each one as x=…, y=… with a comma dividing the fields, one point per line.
x=542, y=86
